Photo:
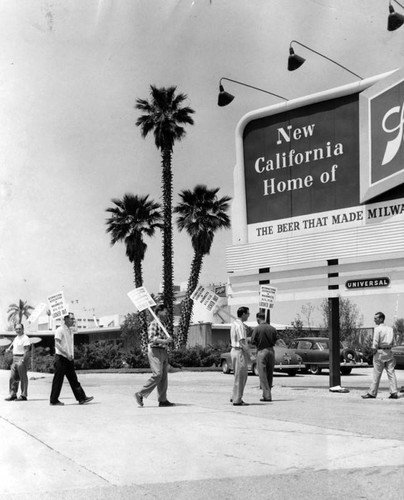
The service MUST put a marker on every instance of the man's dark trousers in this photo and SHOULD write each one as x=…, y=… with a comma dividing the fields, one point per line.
x=265, y=365
x=65, y=367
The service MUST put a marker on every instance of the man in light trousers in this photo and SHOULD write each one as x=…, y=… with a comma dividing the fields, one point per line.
x=158, y=359
x=18, y=373
x=383, y=341
x=239, y=355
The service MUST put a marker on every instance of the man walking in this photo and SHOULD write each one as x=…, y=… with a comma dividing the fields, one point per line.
x=158, y=359
x=264, y=337
x=20, y=346
x=64, y=364
x=239, y=355
x=383, y=341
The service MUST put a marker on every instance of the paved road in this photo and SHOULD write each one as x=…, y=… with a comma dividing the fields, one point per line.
x=307, y=443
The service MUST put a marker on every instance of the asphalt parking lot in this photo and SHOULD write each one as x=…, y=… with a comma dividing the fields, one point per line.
x=307, y=443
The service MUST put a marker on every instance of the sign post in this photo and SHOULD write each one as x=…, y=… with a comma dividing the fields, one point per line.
x=143, y=300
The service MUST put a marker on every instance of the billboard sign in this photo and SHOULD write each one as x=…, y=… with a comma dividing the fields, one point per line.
x=301, y=163
x=382, y=136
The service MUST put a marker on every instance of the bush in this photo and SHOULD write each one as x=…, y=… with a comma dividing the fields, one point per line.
x=43, y=360
x=107, y=354
x=195, y=357
x=6, y=360
x=98, y=355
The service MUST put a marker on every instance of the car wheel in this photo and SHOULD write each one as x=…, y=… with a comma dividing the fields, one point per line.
x=349, y=355
x=291, y=373
x=345, y=370
x=255, y=370
x=225, y=367
x=314, y=369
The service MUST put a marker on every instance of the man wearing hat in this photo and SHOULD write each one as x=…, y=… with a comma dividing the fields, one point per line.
x=64, y=364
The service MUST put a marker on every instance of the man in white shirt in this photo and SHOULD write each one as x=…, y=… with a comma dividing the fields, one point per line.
x=20, y=346
x=239, y=355
x=64, y=364
x=383, y=341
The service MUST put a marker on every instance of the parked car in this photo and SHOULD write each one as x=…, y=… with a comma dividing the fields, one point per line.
x=398, y=353
x=286, y=360
x=315, y=353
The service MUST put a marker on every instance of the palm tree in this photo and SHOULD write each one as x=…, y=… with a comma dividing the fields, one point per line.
x=201, y=213
x=19, y=311
x=132, y=217
x=164, y=115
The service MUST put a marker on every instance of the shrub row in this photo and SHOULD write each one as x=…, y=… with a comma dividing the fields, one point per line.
x=107, y=354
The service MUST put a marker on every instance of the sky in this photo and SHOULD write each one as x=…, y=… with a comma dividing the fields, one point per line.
x=70, y=74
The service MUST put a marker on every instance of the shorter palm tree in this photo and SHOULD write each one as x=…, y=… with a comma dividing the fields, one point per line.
x=132, y=218
x=19, y=311
x=201, y=213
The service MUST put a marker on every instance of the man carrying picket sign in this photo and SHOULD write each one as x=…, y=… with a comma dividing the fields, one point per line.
x=158, y=359
x=64, y=364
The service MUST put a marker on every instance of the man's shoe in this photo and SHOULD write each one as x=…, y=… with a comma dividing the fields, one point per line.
x=139, y=398
x=11, y=398
x=166, y=403
x=368, y=396
x=266, y=400
x=58, y=403
x=241, y=404
x=393, y=396
x=86, y=400
x=402, y=389
x=22, y=398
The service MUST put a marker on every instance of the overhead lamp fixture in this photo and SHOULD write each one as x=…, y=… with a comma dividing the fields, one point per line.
x=395, y=20
x=295, y=61
x=225, y=98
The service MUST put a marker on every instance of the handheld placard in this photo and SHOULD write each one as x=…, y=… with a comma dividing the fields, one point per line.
x=143, y=300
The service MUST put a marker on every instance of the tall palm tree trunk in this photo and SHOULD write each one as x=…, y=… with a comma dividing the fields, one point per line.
x=188, y=304
x=168, y=281
x=138, y=273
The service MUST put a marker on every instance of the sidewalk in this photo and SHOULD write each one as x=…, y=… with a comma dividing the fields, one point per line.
x=308, y=443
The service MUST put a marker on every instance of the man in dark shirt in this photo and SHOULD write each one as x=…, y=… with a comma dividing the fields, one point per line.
x=264, y=337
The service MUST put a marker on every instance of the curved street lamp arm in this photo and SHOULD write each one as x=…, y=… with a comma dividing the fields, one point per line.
x=252, y=87
x=398, y=3
x=325, y=57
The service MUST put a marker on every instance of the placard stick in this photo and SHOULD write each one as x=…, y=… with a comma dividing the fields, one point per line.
x=219, y=308
x=159, y=322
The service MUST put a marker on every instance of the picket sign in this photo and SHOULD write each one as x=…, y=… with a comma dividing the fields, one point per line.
x=267, y=297
x=208, y=299
x=143, y=300
x=57, y=305
x=36, y=312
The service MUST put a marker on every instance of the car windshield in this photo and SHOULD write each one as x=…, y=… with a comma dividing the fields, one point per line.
x=280, y=343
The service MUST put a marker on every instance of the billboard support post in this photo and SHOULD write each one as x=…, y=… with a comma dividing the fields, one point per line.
x=334, y=326
x=333, y=321
x=265, y=282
